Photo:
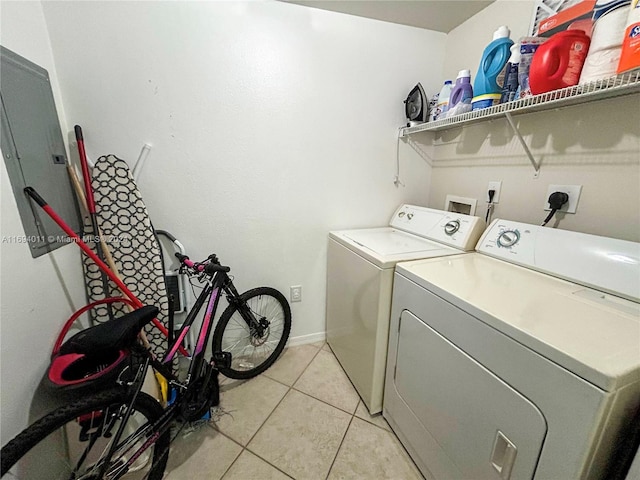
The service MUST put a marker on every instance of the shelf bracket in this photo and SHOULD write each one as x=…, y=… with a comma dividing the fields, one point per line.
x=536, y=165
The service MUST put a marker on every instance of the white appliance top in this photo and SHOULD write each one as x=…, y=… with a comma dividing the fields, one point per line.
x=607, y=264
x=386, y=246
x=453, y=229
x=414, y=232
x=593, y=334
x=389, y=241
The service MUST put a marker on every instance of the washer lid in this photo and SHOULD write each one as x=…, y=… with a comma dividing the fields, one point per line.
x=590, y=333
x=386, y=246
x=390, y=241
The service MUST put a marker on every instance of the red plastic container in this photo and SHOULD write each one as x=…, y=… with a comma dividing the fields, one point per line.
x=558, y=62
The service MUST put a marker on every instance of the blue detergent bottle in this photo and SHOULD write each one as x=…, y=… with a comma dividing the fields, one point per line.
x=487, y=86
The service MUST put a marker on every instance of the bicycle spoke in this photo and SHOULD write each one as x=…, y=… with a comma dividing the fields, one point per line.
x=234, y=345
x=75, y=445
x=273, y=309
x=241, y=323
x=84, y=455
x=254, y=353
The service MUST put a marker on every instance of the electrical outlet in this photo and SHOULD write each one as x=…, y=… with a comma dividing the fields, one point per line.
x=574, y=195
x=497, y=185
x=295, y=293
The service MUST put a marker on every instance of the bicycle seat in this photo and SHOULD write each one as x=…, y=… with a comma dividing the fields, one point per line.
x=112, y=335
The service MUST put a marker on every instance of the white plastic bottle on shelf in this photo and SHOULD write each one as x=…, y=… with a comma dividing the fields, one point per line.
x=510, y=85
x=443, y=101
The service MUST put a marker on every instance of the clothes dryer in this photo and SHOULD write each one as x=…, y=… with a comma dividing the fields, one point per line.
x=360, y=266
x=520, y=361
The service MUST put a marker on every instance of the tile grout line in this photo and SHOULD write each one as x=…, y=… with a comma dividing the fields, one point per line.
x=335, y=457
x=235, y=459
x=243, y=448
x=252, y=453
x=353, y=415
x=326, y=403
x=319, y=399
x=269, y=463
x=292, y=387
x=371, y=423
x=359, y=399
x=289, y=388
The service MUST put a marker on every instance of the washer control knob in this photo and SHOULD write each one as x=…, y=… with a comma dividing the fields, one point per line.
x=409, y=216
x=452, y=227
x=508, y=238
x=401, y=214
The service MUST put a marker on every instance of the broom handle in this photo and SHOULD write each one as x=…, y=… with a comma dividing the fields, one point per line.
x=85, y=248
x=91, y=206
x=86, y=175
x=105, y=248
x=83, y=203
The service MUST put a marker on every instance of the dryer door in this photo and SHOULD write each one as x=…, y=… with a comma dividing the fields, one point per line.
x=482, y=425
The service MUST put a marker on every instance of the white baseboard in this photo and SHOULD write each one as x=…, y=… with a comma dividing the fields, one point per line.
x=305, y=339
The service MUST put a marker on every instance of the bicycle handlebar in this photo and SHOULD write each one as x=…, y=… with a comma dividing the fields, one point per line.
x=181, y=257
x=210, y=268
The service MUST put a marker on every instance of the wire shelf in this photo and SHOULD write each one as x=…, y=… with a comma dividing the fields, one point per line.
x=619, y=85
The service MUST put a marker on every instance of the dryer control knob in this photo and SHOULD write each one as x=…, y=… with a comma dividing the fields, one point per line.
x=401, y=214
x=508, y=238
x=452, y=227
x=409, y=216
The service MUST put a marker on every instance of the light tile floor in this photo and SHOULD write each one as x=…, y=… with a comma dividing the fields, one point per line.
x=301, y=419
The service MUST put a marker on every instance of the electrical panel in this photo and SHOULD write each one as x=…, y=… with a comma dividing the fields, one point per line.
x=34, y=153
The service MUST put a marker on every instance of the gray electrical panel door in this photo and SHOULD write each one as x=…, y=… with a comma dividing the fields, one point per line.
x=33, y=151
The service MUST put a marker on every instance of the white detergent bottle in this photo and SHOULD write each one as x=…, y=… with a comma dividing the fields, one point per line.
x=510, y=86
x=443, y=101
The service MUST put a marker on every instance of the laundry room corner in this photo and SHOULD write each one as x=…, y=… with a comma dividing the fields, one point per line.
x=576, y=145
x=261, y=116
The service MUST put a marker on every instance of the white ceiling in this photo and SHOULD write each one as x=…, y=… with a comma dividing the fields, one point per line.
x=438, y=15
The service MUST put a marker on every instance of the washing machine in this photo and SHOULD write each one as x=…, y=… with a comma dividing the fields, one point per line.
x=520, y=361
x=360, y=266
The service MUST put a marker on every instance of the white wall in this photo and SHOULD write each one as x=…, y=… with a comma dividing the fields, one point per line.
x=36, y=295
x=466, y=42
x=271, y=124
x=595, y=145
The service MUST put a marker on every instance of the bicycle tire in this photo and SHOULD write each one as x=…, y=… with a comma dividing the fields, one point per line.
x=70, y=417
x=277, y=309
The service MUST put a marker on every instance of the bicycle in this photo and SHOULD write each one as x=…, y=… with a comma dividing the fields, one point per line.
x=122, y=432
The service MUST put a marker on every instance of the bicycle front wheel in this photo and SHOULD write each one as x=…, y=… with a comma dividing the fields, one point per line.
x=72, y=441
x=251, y=352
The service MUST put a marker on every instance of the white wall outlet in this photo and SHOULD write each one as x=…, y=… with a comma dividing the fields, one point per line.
x=295, y=293
x=497, y=186
x=574, y=195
